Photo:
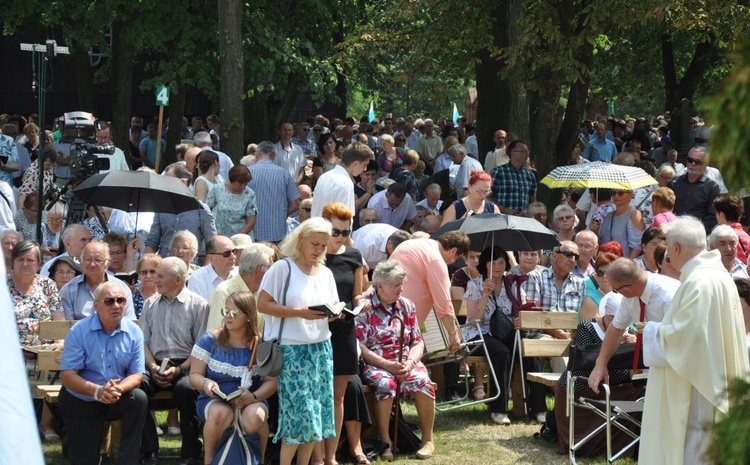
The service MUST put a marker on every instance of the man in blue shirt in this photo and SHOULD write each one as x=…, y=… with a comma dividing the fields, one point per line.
x=599, y=147
x=102, y=367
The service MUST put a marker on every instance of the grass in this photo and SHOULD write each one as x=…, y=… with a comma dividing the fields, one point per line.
x=461, y=436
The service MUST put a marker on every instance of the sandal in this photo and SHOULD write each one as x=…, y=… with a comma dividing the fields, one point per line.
x=50, y=435
x=361, y=460
x=387, y=454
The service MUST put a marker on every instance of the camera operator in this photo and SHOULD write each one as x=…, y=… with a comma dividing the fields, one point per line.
x=62, y=147
x=117, y=161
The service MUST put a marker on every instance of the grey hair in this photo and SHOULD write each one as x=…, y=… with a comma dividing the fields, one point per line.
x=201, y=138
x=687, y=231
x=460, y=148
x=562, y=208
x=387, y=138
x=189, y=237
x=700, y=149
x=70, y=230
x=538, y=204
x=11, y=231
x=266, y=149
x=387, y=272
x=666, y=169
x=96, y=244
x=176, y=267
x=433, y=187
x=104, y=286
x=722, y=231
x=253, y=256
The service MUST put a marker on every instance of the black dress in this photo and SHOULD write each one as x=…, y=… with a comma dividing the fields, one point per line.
x=343, y=331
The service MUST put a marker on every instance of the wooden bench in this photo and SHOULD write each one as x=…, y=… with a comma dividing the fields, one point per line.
x=546, y=348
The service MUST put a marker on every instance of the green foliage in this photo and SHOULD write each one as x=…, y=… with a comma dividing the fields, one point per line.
x=729, y=111
x=731, y=443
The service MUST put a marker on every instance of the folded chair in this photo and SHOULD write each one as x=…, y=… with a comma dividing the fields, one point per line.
x=614, y=413
x=436, y=354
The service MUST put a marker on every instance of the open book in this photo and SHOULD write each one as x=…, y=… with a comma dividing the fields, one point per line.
x=333, y=310
x=227, y=397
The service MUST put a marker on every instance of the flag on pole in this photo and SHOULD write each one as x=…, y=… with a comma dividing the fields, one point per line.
x=371, y=113
x=455, y=114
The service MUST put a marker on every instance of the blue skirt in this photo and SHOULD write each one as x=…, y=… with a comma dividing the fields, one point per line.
x=306, y=394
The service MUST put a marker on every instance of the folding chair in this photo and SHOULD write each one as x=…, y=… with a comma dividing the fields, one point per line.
x=436, y=353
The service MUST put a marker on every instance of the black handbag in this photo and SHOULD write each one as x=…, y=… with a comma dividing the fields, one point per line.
x=268, y=353
x=501, y=326
x=583, y=358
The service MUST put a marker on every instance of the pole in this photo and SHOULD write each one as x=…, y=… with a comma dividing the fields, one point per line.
x=158, y=138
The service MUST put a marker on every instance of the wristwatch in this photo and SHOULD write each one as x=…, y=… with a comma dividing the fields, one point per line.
x=182, y=369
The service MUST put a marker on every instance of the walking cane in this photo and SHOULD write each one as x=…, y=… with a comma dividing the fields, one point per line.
x=396, y=400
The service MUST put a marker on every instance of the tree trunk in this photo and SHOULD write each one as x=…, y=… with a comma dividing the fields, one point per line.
x=705, y=56
x=84, y=78
x=501, y=99
x=575, y=109
x=123, y=57
x=232, y=77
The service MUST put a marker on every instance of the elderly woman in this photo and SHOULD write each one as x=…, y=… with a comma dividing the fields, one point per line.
x=219, y=360
x=31, y=175
x=480, y=186
x=528, y=261
x=35, y=299
x=63, y=270
x=233, y=203
x=651, y=238
x=597, y=285
x=121, y=254
x=345, y=263
x=564, y=220
x=729, y=210
x=9, y=238
x=51, y=231
x=724, y=239
x=306, y=412
x=483, y=299
x=146, y=269
x=391, y=157
x=379, y=339
x=184, y=245
x=624, y=225
x=26, y=217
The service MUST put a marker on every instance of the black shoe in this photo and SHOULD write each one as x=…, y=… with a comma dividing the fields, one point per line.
x=190, y=461
x=452, y=395
x=150, y=459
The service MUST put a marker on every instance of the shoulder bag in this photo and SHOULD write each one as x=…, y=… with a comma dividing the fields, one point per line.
x=269, y=352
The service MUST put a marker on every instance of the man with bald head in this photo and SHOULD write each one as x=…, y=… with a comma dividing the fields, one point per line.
x=191, y=156
x=221, y=258
x=588, y=245
x=77, y=295
x=101, y=370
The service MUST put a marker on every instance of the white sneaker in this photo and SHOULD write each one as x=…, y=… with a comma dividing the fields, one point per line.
x=541, y=417
x=159, y=431
x=173, y=430
x=500, y=418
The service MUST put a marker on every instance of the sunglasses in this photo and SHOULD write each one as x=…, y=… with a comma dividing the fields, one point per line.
x=112, y=300
x=225, y=312
x=146, y=272
x=568, y=254
x=617, y=290
x=308, y=210
x=601, y=273
x=226, y=253
x=694, y=161
x=338, y=232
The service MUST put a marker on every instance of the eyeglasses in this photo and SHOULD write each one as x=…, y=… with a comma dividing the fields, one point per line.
x=54, y=220
x=98, y=261
x=225, y=312
x=146, y=272
x=307, y=209
x=181, y=248
x=117, y=252
x=601, y=273
x=65, y=273
x=694, y=160
x=568, y=254
x=564, y=218
x=483, y=192
x=112, y=300
x=617, y=290
x=226, y=253
x=341, y=232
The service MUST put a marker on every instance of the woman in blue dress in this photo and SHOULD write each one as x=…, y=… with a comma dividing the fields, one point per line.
x=220, y=360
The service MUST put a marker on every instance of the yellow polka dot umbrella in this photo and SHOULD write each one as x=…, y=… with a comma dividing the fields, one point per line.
x=598, y=174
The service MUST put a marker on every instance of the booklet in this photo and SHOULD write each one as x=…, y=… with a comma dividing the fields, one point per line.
x=227, y=397
x=334, y=310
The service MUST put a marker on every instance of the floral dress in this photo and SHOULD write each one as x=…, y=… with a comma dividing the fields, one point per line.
x=30, y=179
x=38, y=305
x=382, y=337
x=24, y=227
x=230, y=209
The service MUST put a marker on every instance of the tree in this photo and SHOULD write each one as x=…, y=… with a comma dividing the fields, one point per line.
x=232, y=76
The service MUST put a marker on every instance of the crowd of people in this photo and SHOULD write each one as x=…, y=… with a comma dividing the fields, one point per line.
x=347, y=211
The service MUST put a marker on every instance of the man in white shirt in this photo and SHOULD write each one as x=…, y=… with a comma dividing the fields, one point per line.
x=497, y=156
x=636, y=285
x=288, y=155
x=377, y=241
x=221, y=255
x=460, y=157
x=117, y=161
x=431, y=199
x=337, y=185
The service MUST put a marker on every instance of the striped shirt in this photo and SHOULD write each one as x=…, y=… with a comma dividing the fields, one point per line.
x=274, y=190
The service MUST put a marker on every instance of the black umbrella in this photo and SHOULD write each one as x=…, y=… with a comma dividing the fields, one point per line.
x=137, y=191
x=507, y=231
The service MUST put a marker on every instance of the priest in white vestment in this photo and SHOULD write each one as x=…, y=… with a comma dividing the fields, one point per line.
x=692, y=354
